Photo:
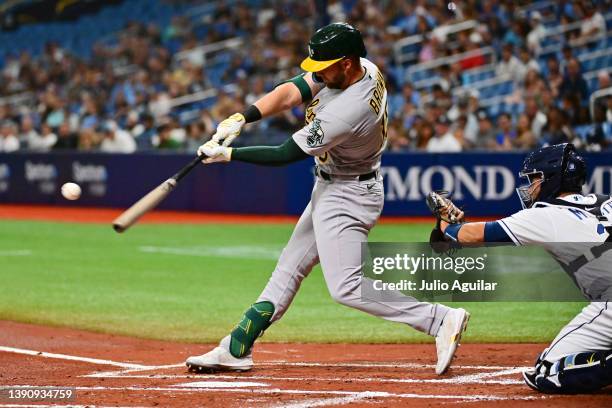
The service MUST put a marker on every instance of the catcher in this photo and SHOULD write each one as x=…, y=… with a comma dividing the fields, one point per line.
x=557, y=217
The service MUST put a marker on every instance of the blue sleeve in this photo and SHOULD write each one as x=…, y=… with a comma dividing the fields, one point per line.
x=493, y=232
x=452, y=232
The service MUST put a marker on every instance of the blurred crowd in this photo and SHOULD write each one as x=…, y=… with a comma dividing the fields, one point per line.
x=549, y=107
x=121, y=98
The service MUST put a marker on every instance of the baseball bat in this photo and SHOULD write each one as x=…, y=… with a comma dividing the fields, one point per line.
x=152, y=199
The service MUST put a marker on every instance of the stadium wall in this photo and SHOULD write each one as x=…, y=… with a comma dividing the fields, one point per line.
x=483, y=183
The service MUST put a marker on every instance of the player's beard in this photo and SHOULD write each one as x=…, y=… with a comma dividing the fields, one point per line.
x=337, y=82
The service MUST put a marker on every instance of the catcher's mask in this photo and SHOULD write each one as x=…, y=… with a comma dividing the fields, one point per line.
x=556, y=169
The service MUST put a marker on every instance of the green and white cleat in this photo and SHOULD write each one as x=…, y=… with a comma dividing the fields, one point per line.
x=219, y=359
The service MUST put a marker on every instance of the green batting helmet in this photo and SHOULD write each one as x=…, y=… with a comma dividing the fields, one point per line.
x=330, y=44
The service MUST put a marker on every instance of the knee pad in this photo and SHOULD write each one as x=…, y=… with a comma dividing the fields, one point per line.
x=573, y=374
x=252, y=325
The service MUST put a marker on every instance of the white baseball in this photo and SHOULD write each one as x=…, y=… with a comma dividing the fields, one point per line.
x=452, y=6
x=71, y=191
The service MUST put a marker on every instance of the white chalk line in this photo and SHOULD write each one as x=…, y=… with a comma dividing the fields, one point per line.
x=130, y=367
x=455, y=380
x=326, y=402
x=376, y=365
x=280, y=363
x=135, y=370
x=72, y=358
x=372, y=394
x=16, y=252
x=222, y=384
x=481, y=377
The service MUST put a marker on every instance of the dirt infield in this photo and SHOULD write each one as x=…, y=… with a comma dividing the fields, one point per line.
x=107, y=370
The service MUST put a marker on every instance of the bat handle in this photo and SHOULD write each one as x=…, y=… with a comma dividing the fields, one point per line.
x=182, y=172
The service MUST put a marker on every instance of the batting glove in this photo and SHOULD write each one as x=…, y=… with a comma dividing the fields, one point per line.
x=214, y=152
x=229, y=129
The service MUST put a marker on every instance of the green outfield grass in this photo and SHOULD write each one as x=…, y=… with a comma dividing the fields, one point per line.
x=192, y=283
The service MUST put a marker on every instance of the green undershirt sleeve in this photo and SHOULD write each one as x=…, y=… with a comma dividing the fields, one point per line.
x=302, y=85
x=284, y=154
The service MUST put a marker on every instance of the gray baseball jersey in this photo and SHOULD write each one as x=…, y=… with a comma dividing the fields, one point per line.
x=569, y=233
x=346, y=129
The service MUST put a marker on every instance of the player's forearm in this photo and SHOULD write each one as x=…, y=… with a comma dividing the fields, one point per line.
x=281, y=98
x=472, y=232
x=284, y=154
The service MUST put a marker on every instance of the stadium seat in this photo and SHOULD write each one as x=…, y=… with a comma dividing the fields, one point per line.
x=494, y=110
x=420, y=75
x=81, y=34
x=468, y=77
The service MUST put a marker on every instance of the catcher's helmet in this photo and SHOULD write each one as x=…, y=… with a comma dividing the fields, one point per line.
x=330, y=44
x=560, y=170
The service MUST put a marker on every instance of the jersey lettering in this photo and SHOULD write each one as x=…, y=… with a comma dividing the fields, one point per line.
x=578, y=213
x=385, y=125
x=310, y=115
x=379, y=91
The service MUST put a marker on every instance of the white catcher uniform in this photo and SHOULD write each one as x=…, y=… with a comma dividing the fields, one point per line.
x=572, y=235
x=346, y=131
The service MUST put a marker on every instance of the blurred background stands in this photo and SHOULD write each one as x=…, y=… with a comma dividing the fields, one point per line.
x=494, y=75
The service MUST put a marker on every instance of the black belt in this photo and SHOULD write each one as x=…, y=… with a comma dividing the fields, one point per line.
x=362, y=177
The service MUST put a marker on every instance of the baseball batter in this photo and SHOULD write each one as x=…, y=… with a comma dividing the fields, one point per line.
x=577, y=231
x=346, y=130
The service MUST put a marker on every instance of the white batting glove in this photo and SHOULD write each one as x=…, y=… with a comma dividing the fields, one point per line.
x=214, y=152
x=229, y=129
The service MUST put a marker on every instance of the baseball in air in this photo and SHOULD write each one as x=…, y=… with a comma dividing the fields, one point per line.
x=452, y=6
x=71, y=191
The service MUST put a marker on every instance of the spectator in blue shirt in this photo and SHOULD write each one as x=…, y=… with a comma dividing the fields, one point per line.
x=575, y=90
x=506, y=135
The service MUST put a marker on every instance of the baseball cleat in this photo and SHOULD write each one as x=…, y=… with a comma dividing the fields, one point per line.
x=447, y=340
x=218, y=359
x=530, y=379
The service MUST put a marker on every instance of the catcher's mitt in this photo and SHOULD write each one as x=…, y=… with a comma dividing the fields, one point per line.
x=443, y=208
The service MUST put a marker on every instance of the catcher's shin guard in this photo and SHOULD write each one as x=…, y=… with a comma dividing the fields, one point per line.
x=255, y=320
x=573, y=374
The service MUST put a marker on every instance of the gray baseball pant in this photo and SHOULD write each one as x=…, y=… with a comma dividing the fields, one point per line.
x=590, y=330
x=332, y=228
